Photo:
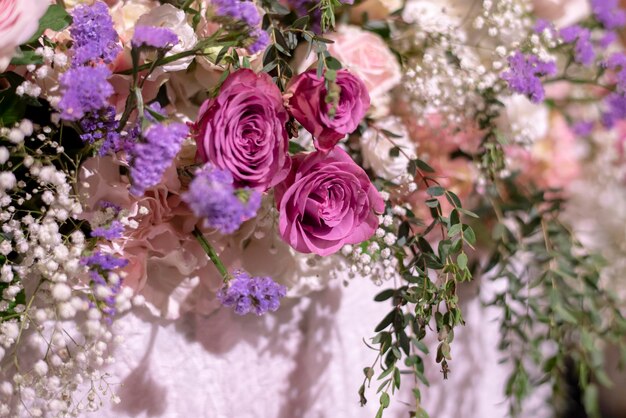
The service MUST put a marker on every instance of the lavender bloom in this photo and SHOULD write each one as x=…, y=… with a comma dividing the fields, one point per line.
x=583, y=51
x=616, y=110
x=248, y=13
x=93, y=35
x=262, y=39
x=101, y=127
x=212, y=196
x=103, y=261
x=244, y=11
x=608, y=13
x=617, y=62
x=110, y=232
x=105, y=204
x=153, y=37
x=541, y=25
x=106, y=305
x=523, y=75
x=608, y=39
x=251, y=294
x=151, y=158
x=583, y=128
x=85, y=90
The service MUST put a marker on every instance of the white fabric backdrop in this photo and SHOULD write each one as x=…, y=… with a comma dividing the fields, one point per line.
x=304, y=361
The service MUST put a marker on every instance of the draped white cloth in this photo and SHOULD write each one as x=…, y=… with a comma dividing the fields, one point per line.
x=306, y=361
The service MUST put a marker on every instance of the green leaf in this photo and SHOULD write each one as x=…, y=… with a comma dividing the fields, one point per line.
x=55, y=18
x=295, y=148
x=590, y=400
x=300, y=23
x=384, y=400
x=461, y=260
x=384, y=295
x=425, y=167
x=469, y=235
x=455, y=229
x=386, y=321
x=333, y=63
x=435, y=191
x=27, y=57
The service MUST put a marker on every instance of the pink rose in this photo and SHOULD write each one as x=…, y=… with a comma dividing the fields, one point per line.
x=327, y=201
x=243, y=130
x=309, y=107
x=19, y=20
x=368, y=57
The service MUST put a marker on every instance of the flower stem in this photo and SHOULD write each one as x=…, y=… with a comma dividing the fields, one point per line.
x=210, y=251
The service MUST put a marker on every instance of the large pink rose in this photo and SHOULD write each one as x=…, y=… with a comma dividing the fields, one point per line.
x=243, y=130
x=19, y=20
x=309, y=107
x=327, y=201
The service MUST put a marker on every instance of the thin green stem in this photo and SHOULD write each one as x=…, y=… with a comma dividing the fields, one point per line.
x=210, y=251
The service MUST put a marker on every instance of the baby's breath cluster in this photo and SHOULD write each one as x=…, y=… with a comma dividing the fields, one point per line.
x=448, y=71
x=54, y=334
x=376, y=258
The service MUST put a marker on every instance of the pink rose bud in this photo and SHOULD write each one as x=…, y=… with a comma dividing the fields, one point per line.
x=243, y=131
x=308, y=106
x=326, y=202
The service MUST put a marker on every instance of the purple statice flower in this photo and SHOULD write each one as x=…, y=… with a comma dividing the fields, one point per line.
x=541, y=25
x=244, y=11
x=607, y=39
x=583, y=50
x=153, y=37
x=106, y=304
x=617, y=63
x=583, y=128
x=213, y=197
x=609, y=13
x=248, y=13
x=100, y=126
x=251, y=294
x=524, y=75
x=615, y=111
x=151, y=157
x=110, y=232
x=262, y=40
x=94, y=37
x=102, y=261
x=84, y=90
x=105, y=204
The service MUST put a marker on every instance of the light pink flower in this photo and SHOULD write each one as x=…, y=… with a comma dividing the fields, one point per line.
x=166, y=264
x=19, y=20
x=551, y=162
x=368, y=57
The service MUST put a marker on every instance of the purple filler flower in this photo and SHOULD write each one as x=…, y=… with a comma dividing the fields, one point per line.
x=153, y=37
x=94, y=37
x=109, y=232
x=212, y=196
x=609, y=13
x=150, y=158
x=251, y=294
x=85, y=90
x=102, y=261
x=524, y=72
x=583, y=51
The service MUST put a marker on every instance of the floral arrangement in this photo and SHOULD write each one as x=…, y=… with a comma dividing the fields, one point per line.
x=151, y=152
